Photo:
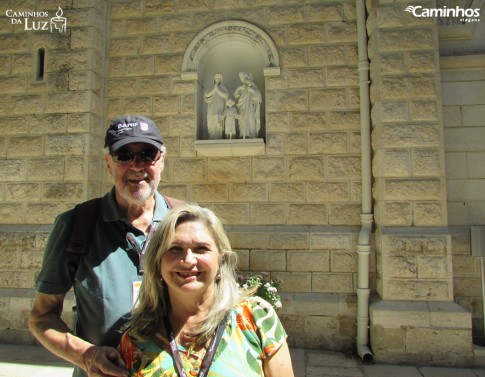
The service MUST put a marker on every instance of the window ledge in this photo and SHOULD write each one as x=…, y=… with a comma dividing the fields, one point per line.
x=455, y=32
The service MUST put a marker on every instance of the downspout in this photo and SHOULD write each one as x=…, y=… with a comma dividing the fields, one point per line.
x=366, y=217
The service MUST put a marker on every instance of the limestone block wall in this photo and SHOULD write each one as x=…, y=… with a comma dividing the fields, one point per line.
x=292, y=210
x=50, y=145
x=318, y=268
x=51, y=126
x=309, y=172
x=463, y=86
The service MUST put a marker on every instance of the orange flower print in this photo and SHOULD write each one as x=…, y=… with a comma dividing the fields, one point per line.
x=244, y=319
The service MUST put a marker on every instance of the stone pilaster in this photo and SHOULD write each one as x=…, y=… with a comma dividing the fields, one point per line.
x=413, y=244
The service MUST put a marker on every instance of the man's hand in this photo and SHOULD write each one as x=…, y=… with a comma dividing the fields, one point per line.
x=47, y=326
x=104, y=362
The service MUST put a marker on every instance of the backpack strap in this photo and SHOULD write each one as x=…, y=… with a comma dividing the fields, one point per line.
x=173, y=202
x=82, y=227
x=81, y=231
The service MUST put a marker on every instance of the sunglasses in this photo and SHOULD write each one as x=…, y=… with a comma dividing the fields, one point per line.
x=148, y=155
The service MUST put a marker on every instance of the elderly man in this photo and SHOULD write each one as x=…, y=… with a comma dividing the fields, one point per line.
x=106, y=277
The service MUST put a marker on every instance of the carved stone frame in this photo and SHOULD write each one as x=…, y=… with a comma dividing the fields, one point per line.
x=219, y=35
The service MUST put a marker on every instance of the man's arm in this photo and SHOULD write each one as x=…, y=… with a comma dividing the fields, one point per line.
x=53, y=333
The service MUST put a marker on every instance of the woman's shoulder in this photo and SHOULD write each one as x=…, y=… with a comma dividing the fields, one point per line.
x=259, y=324
x=254, y=307
x=254, y=302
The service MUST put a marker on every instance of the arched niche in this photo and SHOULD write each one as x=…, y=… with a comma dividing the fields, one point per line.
x=228, y=48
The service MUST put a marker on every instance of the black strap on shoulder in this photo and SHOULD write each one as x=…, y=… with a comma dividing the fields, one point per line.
x=172, y=202
x=84, y=221
x=82, y=226
x=81, y=231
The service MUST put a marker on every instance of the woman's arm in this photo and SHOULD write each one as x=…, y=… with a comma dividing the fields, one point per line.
x=279, y=364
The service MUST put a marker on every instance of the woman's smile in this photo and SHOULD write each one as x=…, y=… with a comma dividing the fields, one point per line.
x=188, y=274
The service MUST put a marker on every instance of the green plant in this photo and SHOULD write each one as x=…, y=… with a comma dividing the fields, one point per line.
x=267, y=289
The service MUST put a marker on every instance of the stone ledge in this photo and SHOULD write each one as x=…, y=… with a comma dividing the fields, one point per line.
x=462, y=62
x=319, y=304
x=430, y=314
x=229, y=147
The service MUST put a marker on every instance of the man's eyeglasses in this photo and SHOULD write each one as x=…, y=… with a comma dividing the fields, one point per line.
x=148, y=155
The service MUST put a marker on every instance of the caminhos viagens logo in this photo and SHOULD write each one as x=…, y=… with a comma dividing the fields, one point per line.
x=464, y=14
x=38, y=20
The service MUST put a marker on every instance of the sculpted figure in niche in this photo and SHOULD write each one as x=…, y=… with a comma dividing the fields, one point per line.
x=216, y=100
x=248, y=104
x=230, y=116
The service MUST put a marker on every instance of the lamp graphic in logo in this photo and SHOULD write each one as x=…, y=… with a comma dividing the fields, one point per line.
x=410, y=9
x=58, y=22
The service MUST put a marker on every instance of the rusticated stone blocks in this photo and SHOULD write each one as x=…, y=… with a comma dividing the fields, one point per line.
x=430, y=333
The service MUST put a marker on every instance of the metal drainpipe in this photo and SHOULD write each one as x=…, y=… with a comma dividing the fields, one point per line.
x=366, y=217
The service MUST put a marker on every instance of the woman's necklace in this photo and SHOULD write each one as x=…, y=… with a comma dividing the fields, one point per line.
x=208, y=357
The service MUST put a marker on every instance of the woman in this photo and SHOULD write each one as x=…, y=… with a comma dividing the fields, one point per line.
x=191, y=317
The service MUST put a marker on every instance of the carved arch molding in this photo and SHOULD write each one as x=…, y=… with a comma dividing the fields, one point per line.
x=226, y=32
x=229, y=47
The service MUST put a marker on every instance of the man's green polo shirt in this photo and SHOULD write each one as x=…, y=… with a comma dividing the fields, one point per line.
x=103, y=283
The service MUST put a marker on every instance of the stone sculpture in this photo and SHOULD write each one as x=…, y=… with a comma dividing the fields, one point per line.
x=216, y=100
x=248, y=105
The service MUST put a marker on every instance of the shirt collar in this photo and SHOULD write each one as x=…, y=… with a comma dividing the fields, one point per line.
x=111, y=212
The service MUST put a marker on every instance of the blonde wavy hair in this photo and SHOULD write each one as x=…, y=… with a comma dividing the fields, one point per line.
x=153, y=303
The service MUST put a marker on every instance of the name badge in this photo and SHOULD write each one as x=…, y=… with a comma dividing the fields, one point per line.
x=135, y=291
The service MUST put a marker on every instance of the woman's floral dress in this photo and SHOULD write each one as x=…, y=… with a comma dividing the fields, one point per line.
x=252, y=333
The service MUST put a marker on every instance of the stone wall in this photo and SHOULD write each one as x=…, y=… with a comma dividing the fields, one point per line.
x=463, y=86
x=292, y=211
x=52, y=127
x=318, y=268
x=50, y=148
x=309, y=172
